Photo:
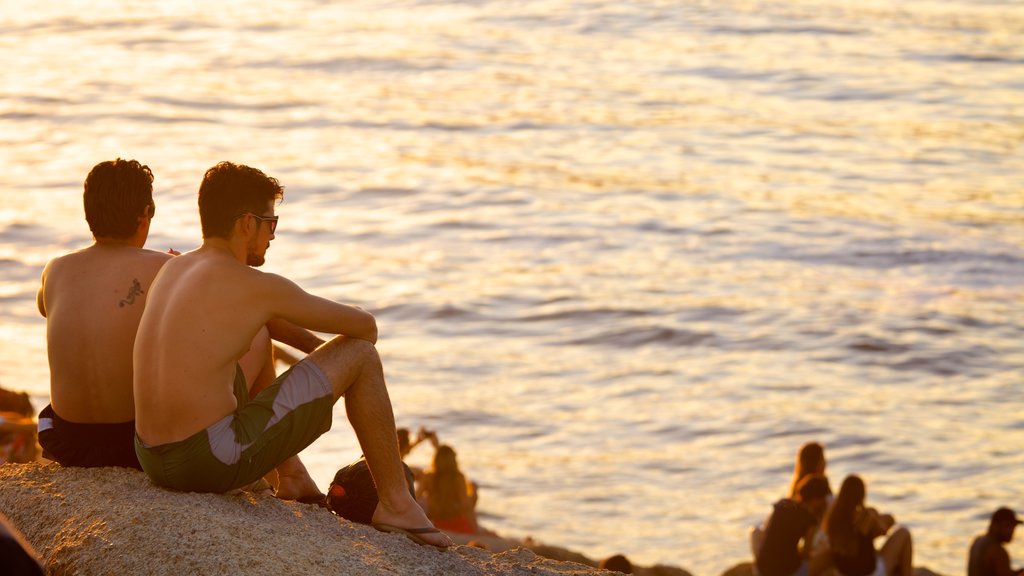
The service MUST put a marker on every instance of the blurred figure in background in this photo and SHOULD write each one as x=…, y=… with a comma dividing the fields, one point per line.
x=987, y=556
x=790, y=532
x=17, y=428
x=852, y=527
x=616, y=563
x=810, y=459
x=448, y=498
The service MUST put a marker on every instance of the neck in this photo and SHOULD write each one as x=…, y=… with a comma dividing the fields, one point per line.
x=229, y=248
x=104, y=242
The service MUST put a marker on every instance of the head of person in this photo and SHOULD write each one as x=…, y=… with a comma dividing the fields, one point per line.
x=840, y=520
x=445, y=460
x=1003, y=523
x=813, y=492
x=616, y=563
x=404, y=444
x=118, y=199
x=447, y=486
x=237, y=201
x=810, y=459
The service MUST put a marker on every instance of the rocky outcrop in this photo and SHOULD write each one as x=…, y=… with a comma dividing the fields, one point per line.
x=115, y=521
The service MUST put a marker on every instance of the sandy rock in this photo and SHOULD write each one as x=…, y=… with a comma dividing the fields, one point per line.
x=115, y=521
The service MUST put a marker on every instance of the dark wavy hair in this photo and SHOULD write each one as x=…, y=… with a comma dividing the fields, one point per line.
x=117, y=193
x=230, y=190
x=840, y=520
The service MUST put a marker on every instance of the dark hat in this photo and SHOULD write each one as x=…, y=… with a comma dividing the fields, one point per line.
x=353, y=495
x=813, y=487
x=1005, y=516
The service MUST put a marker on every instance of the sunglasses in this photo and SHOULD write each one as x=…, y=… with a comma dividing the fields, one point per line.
x=271, y=219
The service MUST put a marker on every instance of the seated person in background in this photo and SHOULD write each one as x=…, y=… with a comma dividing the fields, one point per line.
x=406, y=443
x=790, y=531
x=17, y=428
x=93, y=301
x=852, y=528
x=810, y=459
x=450, y=500
x=616, y=563
x=197, y=429
x=987, y=556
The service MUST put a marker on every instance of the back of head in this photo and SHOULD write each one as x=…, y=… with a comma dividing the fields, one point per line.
x=117, y=193
x=404, y=444
x=839, y=521
x=230, y=190
x=1003, y=524
x=813, y=487
x=810, y=459
x=617, y=563
x=445, y=461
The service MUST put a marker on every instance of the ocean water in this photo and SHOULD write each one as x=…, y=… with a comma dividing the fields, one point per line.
x=625, y=256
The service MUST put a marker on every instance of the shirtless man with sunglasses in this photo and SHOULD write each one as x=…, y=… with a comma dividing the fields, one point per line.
x=196, y=428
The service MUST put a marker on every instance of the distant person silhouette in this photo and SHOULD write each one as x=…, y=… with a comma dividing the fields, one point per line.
x=810, y=459
x=18, y=442
x=450, y=499
x=987, y=556
x=791, y=530
x=616, y=563
x=852, y=528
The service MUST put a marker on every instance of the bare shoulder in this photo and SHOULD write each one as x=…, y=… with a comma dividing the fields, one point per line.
x=155, y=255
x=153, y=259
x=58, y=262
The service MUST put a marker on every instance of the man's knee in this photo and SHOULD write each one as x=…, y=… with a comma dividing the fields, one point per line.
x=343, y=355
x=362, y=351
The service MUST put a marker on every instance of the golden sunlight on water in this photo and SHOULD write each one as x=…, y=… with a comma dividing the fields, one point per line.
x=625, y=257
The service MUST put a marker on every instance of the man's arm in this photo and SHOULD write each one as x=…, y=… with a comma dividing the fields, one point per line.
x=285, y=332
x=290, y=302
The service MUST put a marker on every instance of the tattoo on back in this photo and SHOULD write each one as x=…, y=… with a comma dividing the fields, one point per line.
x=134, y=291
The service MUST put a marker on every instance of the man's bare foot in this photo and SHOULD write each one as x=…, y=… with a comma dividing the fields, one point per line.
x=412, y=522
x=298, y=487
x=260, y=488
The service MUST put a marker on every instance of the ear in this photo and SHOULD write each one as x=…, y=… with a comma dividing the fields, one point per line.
x=242, y=227
x=142, y=231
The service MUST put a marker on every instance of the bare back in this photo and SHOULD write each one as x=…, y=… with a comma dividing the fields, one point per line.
x=93, y=300
x=196, y=328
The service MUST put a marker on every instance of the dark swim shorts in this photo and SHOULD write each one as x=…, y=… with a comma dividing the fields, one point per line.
x=87, y=445
x=251, y=441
